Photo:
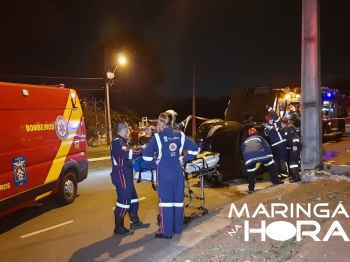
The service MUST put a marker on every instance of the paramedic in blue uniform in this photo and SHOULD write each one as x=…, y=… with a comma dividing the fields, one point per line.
x=122, y=179
x=255, y=150
x=177, y=126
x=166, y=147
x=294, y=144
x=278, y=145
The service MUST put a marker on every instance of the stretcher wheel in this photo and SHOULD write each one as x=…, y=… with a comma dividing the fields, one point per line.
x=158, y=220
x=186, y=220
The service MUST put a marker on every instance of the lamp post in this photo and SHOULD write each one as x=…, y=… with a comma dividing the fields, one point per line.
x=110, y=76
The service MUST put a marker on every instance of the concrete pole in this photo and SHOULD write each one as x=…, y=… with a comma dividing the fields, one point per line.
x=311, y=124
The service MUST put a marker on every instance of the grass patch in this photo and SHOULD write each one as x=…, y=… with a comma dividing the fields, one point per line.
x=98, y=154
x=263, y=176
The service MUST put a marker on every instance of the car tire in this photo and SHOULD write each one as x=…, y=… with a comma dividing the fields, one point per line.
x=68, y=189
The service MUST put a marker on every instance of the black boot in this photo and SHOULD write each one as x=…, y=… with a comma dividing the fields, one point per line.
x=135, y=222
x=119, y=227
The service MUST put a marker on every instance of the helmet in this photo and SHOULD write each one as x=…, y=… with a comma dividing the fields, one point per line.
x=172, y=112
x=252, y=131
x=267, y=117
x=291, y=108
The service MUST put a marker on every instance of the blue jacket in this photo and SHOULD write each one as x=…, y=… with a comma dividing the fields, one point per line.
x=291, y=134
x=256, y=149
x=274, y=116
x=122, y=155
x=276, y=138
x=169, y=144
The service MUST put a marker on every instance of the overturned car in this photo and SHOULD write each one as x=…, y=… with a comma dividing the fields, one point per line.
x=246, y=109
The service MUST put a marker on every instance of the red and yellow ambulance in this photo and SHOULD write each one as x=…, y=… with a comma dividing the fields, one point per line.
x=42, y=145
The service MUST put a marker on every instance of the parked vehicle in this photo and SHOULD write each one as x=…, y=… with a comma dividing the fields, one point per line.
x=42, y=145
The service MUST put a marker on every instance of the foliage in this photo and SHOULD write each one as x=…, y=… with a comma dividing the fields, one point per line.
x=94, y=117
x=128, y=116
x=95, y=120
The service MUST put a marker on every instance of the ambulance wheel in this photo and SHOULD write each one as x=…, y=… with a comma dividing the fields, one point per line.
x=67, y=190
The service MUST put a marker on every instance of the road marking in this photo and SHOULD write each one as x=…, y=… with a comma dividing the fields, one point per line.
x=141, y=198
x=47, y=229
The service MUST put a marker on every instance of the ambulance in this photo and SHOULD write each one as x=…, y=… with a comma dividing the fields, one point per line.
x=42, y=145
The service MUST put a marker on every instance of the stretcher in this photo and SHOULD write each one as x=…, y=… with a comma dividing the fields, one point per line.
x=205, y=164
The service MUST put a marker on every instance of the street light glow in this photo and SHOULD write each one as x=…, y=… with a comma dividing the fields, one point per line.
x=110, y=75
x=122, y=60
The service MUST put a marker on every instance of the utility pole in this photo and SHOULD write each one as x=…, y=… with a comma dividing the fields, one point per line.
x=311, y=132
x=109, y=125
x=194, y=104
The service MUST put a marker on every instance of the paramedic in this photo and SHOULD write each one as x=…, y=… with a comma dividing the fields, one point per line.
x=278, y=146
x=294, y=144
x=167, y=146
x=122, y=179
x=177, y=126
x=255, y=150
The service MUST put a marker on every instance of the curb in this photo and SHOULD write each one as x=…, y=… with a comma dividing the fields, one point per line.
x=337, y=169
x=99, y=158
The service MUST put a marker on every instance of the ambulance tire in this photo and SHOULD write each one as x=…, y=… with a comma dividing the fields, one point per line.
x=68, y=188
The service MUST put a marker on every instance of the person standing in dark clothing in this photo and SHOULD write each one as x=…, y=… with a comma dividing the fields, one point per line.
x=123, y=180
x=177, y=126
x=255, y=150
x=294, y=144
x=167, y=146
x=278, y=145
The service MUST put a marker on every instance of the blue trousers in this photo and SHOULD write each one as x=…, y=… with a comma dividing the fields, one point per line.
x=294, y=158
x=170, y=190
x=280, y=155
x=127, y=200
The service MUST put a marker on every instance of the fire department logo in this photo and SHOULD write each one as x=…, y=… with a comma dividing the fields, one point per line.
x=172, y=147
x=19, y=170
x=61, y=127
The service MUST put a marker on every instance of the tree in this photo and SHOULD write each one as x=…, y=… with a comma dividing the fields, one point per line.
x=128, y=116
x=94, y=117
x=95, y=120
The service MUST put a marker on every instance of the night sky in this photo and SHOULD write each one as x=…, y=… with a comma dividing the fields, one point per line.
x=232, y=44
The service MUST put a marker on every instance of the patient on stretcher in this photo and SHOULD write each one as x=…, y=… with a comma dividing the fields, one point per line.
x=204, y=160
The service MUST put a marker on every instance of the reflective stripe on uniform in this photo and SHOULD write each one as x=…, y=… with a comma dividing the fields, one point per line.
x=147, y=158
x=130, y=154
x=252, y=169
x=295, y=140
x=156, y=135
x=114, y=162
x=293, y=166
x=166, y=204
x=122, y=206
x=171, y=204
x=253, y=138
x=269, y=163
x=182, y=142
x=257, y=158
x=279, y=141
x=192, y=152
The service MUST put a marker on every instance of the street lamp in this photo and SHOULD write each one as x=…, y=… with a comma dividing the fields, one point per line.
x=110, y=76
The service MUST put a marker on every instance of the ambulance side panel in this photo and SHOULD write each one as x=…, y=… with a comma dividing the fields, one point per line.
x=45, y=137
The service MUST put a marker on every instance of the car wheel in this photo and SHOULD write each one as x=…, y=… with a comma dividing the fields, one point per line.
x=67, y=190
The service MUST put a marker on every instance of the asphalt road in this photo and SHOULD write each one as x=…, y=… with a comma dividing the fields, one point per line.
x=83, y=231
